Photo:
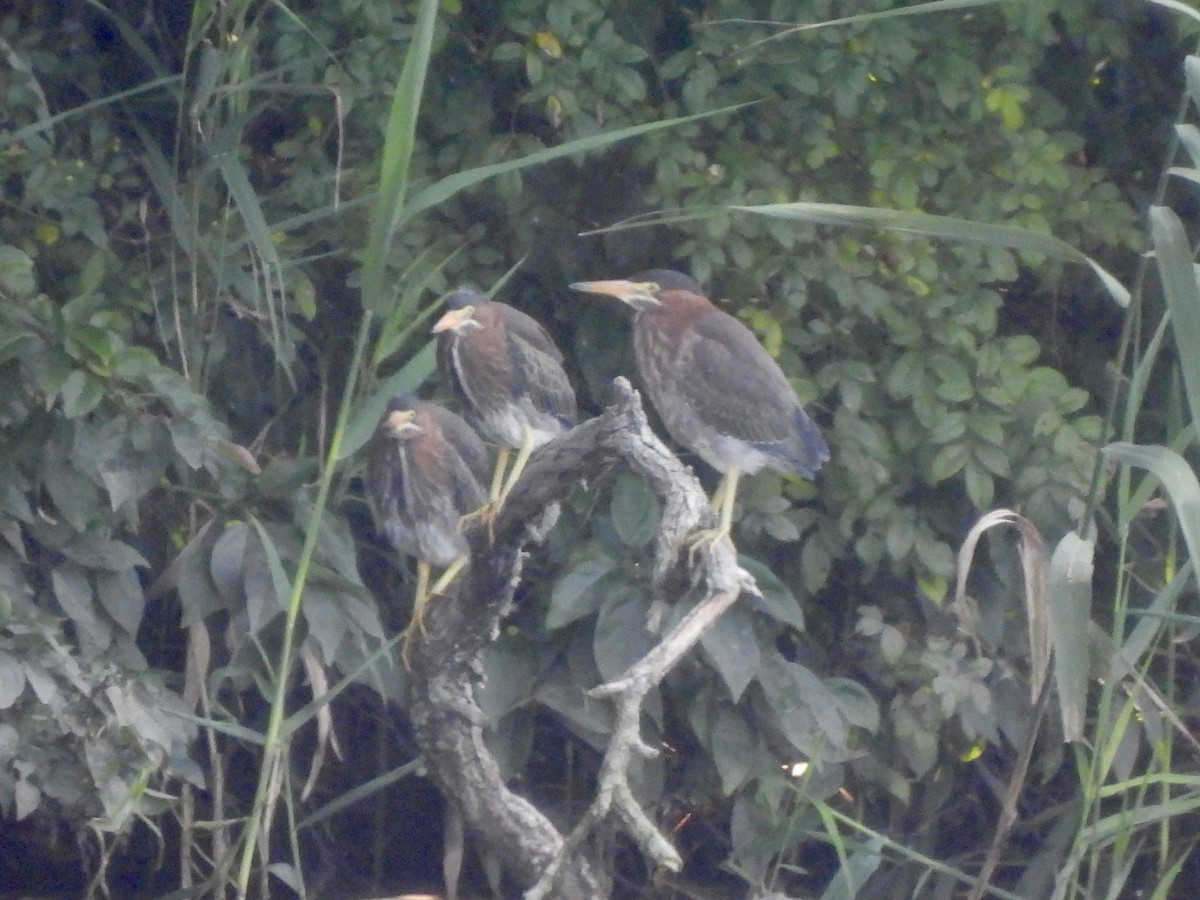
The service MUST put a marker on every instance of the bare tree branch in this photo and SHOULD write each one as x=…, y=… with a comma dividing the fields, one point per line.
x=446, y=662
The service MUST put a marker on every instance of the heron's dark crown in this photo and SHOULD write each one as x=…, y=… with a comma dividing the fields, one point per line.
x=463, y=297
x=670, y=280
x=402, y=402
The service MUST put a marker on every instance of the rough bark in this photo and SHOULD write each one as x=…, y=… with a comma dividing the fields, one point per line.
x=446, y=662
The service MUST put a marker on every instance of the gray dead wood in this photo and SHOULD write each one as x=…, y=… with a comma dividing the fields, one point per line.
x=446, y=662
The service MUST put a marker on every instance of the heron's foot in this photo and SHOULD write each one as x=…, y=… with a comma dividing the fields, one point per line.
x=417, y=622
x=404, y=651
x=485, y=515
x=426, y=595
x=706, y=538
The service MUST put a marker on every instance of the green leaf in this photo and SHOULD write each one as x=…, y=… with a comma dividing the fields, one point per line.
x=955, y=384
x=276, y=591
x=26, y=798
x=806, y=711
x=282, y=476
x=950, y=427
x=855, y=702
x=74, y=593
x=621, y=636
x=574, y=595
x=95, y=552
x=634, y=510
x=732, y=646
x=14, y=346
x=981, y=487
x=935, y=555
x=227, y=565
x=16, y=272
x=512, y=674
x=948, y=461
x=733, y=746
x=907, y=376
x=12, y=680
x=326, y=620
x=777, y=599
x=856, y=869
x=121, y=596
x=198, y=596
x=899, y=538
x=815, y=564
x=92, y=275
x=81, y=393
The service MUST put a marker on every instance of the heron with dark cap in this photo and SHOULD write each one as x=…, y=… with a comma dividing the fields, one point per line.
x=426, y=469
x=509, y=376
x=717, y=391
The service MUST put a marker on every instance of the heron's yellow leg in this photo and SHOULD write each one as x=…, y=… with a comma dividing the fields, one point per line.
x=523, y=454
x=421, y=597
x=723, y=500
x=498, y=475
x=426, y=594
x=488, y=511
x=448, y=576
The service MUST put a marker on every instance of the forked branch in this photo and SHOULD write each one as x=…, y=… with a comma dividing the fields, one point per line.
x=446, y=663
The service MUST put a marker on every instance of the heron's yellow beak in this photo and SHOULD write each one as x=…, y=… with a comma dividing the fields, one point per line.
x=399, y=423
x=622, y=289
x=453, y=319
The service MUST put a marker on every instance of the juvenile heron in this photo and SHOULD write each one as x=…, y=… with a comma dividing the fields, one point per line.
x=509, y=375
x=718, y=392
x=426, y=469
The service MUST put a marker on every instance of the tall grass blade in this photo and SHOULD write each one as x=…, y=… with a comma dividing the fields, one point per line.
x=1113, y=827
x=405, y=381
x=1070, y=613
x=24, y=134
x=398, y=145
x=1189, y=139
x=443, y=190
x=1176, y=476
x=1164, y=890
x=1178, y=7
x=1034, y=568
x=1139, y=379
x=1010, y=236
x=1191, y=75
x=916, y=9
x=1178, y=274
x=855, y=870
x=273, y=289
x=911, y=222
x=1138, y=643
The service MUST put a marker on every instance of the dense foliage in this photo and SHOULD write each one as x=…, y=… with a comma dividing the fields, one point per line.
x=180, y=248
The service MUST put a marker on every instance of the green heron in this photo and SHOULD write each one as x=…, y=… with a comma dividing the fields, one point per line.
x=716, y=389
x=426, y=468
x=509, y=376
